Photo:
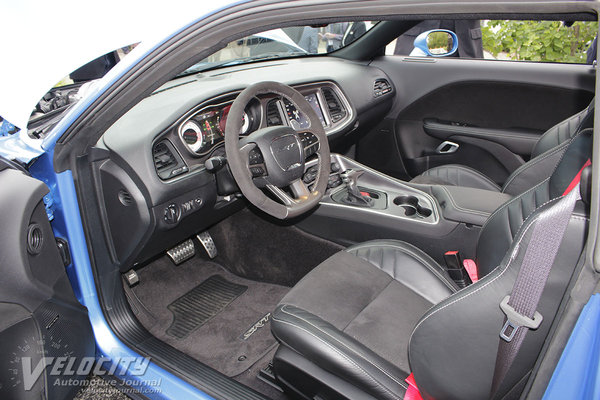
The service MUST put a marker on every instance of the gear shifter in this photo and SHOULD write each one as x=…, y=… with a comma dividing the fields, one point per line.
x=354, y=197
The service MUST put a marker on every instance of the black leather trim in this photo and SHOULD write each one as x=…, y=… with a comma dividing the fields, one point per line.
x=456, y=175
x=469, y=205
x=403, y=261
x=534, y=171
x=331, y=349
x=560, y=133
x=441, y=346
x=501, y=228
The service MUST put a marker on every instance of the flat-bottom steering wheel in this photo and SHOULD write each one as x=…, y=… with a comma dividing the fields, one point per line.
x=274, y=157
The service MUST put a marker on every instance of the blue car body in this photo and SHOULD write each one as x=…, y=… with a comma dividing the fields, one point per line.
x=63, y=210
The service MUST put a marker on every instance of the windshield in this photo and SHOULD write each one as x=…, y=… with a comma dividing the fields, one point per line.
x=296, y=41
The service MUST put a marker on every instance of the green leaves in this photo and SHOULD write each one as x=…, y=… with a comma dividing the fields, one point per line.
x=547, y=41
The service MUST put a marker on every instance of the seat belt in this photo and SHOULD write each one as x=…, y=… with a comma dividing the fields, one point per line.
x=520, y=307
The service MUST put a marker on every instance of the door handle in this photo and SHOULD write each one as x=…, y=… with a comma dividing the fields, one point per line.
x=447, y=147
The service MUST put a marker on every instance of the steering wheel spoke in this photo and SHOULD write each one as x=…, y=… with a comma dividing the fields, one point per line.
x=281, y=195
x=255, y=165
x=300, y=190
x=274, y=157
x=310, y=142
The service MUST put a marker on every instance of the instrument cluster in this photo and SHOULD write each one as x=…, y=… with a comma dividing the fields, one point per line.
x=205, y=130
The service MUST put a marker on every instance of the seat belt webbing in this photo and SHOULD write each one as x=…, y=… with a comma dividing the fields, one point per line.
x=520, y=307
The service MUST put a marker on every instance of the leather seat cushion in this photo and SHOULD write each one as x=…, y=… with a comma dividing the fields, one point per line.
x=456, y=175
x=358, y=292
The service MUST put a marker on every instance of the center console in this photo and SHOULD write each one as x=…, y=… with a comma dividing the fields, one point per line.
x=358, y=189
x=363, y=204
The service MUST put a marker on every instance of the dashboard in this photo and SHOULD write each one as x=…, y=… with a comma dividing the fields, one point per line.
x=149, y=166
x=202, y=131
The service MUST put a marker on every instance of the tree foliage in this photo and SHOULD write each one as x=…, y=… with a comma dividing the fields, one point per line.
x=551, y=41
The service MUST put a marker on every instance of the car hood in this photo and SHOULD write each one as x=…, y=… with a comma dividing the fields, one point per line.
x=49, y=40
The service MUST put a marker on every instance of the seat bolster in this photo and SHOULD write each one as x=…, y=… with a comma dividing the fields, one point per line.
x=535, y=171
x=456, y=175
x=563, y=131
x=409, y=265
x=336, y=352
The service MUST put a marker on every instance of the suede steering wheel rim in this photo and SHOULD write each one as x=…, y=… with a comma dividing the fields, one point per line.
x=283, y=154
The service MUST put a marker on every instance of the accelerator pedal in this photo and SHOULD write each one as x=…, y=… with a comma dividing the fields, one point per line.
x=208, y=243
x=182, y=252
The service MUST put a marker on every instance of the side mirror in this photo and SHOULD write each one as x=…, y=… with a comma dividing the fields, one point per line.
x=435, y=43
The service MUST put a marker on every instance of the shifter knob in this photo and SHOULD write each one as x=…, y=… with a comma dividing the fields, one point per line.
x=354, y=196
x=350, y=178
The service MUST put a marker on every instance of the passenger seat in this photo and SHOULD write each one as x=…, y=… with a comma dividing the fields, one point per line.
x=545, y=155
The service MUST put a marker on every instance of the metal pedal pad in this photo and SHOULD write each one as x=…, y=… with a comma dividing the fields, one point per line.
x=208, y=243
x=131, y=277
x=182, y=252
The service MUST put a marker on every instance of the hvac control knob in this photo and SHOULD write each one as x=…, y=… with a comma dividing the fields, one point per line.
x=172, y=214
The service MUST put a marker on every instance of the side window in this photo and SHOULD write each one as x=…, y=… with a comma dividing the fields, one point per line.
x=509, y=40
x=469, y=32
x=545, y=41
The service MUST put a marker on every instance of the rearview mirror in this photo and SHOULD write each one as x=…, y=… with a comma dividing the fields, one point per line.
x=435, y=43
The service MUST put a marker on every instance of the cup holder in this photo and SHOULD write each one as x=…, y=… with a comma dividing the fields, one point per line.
x=411, y=206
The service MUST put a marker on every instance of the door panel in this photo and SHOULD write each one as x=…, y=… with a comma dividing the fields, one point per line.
x=494, y=110
x=41, y=321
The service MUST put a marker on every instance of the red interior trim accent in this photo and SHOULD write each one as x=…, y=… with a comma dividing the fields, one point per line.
x=577, y=178
x=412, y=393
x=471, y=268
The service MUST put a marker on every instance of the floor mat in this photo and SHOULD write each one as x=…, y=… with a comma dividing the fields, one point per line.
x=232, y=340
x=258, y=247
x=200, y=304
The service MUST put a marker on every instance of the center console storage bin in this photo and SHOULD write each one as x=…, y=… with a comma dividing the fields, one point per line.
x=468, y=205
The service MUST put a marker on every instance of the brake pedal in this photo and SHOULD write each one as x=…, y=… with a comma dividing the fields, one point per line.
x=208, y=243
x=182, y=252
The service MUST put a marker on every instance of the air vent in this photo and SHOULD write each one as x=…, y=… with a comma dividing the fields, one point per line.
x=337, y=112
x=125, y=197
x=273, y=115
x=167, y=161
x=381, y=87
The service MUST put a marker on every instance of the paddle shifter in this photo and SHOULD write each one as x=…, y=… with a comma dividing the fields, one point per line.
x=354, y=196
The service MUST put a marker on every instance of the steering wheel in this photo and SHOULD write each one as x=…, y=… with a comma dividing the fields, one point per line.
x=274, y=157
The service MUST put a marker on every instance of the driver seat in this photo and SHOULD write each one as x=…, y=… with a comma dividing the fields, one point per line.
x=359, y=323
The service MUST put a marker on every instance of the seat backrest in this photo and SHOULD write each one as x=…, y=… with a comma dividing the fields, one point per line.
x=547, y=151
x=452, y=349
x=565, y=130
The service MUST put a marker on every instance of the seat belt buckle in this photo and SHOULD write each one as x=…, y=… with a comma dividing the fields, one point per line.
x=514, y=321
x=456, y=269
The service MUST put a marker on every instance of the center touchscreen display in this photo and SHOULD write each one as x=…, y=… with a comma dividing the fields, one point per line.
x=314, y=103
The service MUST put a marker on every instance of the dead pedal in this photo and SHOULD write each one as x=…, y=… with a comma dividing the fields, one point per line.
x=182, y=252
x=208, y=243
x=268, y=376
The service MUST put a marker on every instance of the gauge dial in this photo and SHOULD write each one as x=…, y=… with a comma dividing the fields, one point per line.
x=192, y=135
x=223, y=121
x=245, y=124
